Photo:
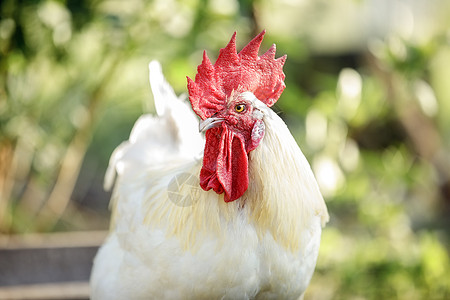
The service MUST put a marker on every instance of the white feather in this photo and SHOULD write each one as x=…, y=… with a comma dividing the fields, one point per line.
x=158, y=141
x=172, y=240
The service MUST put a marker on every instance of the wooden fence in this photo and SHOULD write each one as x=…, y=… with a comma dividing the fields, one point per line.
x=47, y=266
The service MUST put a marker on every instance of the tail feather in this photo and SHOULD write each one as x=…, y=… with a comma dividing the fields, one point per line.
x=163, y=94
x=158, y=141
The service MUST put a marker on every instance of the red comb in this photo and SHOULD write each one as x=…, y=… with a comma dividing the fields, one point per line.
x=244, y=72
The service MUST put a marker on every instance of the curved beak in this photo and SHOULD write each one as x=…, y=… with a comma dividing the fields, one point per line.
x=210, y=123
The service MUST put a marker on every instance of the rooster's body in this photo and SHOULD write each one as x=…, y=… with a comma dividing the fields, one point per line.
x=174, y=238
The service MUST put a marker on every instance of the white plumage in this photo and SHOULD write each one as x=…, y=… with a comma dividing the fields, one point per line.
x=170, y=239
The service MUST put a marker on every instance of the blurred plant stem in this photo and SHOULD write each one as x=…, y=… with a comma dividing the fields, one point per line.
x=6, y=182
x=420, y=129
x=70, y=167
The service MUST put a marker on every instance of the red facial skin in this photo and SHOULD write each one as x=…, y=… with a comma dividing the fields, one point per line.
x=225, y=161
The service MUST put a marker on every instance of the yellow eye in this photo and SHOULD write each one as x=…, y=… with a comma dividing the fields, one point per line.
x=239, y=108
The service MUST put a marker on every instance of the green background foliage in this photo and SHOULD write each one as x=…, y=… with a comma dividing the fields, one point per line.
x=367, y=99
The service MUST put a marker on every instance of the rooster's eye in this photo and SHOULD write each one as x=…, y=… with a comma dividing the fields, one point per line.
x=239, y=108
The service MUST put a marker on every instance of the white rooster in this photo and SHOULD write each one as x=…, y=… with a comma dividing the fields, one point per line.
x=234, y=215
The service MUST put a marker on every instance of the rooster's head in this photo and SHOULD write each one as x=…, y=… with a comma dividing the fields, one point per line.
x=229, y=97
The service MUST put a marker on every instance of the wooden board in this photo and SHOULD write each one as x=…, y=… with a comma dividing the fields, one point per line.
x=48, y=266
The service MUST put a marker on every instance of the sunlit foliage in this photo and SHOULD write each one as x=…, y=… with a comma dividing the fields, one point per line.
x=367, y=99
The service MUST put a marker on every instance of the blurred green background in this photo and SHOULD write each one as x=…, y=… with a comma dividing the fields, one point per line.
x=367, y=99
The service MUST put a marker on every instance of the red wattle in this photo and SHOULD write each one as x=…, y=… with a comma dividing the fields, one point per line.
x=225, y=164
x=208, y=176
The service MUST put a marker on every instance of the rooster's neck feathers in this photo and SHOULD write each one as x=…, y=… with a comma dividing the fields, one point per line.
x=274, y=202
